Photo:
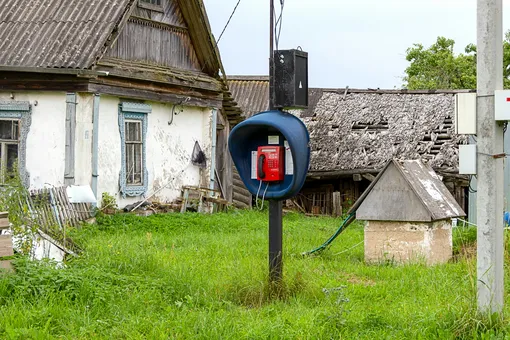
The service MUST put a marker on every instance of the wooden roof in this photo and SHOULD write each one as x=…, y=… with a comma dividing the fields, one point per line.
x=407, y=190
x=360, y=130
x=72, y=37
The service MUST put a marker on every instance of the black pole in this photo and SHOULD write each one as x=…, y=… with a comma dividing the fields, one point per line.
x=271, y=55
x=275, y=241
x=275, y=206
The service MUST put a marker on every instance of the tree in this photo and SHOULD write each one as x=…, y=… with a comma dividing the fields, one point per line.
x=439, y=68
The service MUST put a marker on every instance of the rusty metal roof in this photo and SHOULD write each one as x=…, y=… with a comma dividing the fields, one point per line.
x=250, y=92
x=56, y=33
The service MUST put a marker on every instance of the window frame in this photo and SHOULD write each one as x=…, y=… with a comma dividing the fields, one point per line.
x=139, y=141
x=4, y=143
x=136, y=112
x=20, y=111
x=150, y=6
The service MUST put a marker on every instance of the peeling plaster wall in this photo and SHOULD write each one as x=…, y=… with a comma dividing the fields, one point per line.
x=45, y=154
x=169, y=149
x=405, y=242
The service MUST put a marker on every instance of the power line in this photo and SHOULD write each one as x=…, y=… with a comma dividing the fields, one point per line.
x=278, y=22
x=226, y=25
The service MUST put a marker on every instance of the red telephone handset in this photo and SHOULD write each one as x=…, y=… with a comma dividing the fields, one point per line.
x=270, y=163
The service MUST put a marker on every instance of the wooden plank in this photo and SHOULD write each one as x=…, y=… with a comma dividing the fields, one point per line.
x=4, y=223
x=241, y=198
x=4, y=214
x=241, y=191
x=151, y=94
x=6, y=248
x=68, y=206
x=368, y=177
x=59, y=214
x=337, y=204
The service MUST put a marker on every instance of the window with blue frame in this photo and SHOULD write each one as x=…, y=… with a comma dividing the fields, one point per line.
x=133, y=132
x=15, y=121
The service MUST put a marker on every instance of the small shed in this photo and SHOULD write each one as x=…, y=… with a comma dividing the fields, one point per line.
x=408, y=212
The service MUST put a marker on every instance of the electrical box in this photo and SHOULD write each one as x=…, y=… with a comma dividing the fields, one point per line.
x=465, y=113
x=502, y=105
x=291, y=79
x=467, y=159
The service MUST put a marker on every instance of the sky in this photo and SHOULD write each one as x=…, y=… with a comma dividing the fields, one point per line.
x=355, y=43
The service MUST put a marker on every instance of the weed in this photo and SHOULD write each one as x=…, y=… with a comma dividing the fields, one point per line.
x=205, y=276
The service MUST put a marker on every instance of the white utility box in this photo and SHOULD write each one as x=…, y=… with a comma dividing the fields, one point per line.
x=465, y=113
x=467, y=159
x=502, y=105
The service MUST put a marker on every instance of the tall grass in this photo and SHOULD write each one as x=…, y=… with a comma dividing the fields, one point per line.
x=181, y=276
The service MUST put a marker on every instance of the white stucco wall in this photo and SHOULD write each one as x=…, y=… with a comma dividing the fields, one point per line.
x=169, y=147
x=45, y=157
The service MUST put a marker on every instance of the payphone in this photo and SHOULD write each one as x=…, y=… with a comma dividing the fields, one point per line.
x=270, y=163
x=271, y=153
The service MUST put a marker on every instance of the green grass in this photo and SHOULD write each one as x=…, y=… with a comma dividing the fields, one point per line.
x=192, y=276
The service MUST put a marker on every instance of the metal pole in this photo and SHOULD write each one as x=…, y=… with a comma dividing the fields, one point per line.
x=271, y=55
x=275, y=206
x=490, y=169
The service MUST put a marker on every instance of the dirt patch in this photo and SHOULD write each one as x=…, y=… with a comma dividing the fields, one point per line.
x=356, y=280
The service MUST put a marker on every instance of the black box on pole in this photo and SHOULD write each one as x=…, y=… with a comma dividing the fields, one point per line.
x=291, y=79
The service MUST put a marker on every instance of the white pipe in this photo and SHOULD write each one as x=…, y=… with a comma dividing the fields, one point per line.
x=213, y=148
x=95, y=145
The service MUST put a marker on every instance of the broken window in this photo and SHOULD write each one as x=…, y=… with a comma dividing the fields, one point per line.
x=9, y=141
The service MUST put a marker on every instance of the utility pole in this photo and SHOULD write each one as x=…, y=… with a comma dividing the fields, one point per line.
x=275, y=206
x=490, y=176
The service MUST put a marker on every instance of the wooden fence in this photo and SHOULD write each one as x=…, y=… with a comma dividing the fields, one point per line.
x=51, y=208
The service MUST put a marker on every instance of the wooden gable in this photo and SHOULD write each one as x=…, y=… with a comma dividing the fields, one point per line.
x=407, y=191
x=156, y=35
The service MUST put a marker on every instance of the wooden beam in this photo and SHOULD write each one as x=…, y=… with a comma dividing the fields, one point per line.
x=339, y=173
x=368, y=177
x=162, y=76
x=153, y=95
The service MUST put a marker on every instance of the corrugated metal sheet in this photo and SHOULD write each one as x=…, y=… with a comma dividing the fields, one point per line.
x=250, y=92
x=56, y=33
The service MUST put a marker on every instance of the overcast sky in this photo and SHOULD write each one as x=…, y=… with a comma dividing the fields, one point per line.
x=355, y=43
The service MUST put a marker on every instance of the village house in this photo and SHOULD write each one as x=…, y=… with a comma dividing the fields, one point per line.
x=354, y=133
x=115, y=94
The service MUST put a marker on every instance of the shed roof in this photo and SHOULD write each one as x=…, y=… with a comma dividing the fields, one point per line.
x=394, y=194
x=361, y=129
x=52, y=33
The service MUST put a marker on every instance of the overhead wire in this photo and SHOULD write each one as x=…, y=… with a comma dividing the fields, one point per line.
x=278, y=24
x=215, y=45
x=228, y=21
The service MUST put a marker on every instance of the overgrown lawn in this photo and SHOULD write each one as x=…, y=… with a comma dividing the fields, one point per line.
x=198, y=276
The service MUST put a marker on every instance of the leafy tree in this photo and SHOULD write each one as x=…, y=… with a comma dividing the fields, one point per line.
x=437, y=67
